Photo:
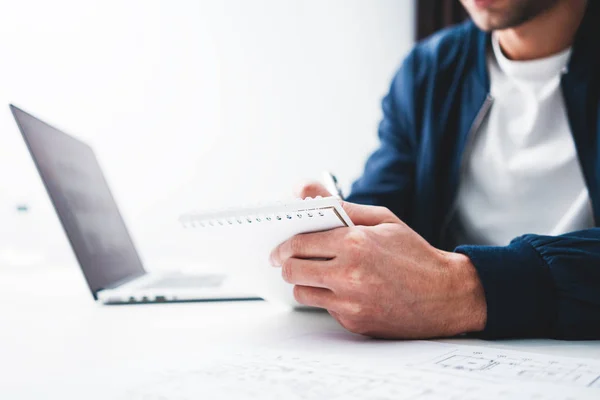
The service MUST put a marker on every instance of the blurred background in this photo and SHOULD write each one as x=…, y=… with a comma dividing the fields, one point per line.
x=190, y=105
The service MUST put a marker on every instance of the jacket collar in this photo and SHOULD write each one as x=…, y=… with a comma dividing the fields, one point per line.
x=586, y=46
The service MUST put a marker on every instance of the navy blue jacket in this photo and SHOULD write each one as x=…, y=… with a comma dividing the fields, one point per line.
x=537, y=286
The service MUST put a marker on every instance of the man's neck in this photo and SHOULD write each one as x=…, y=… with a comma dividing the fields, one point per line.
x=549, y=33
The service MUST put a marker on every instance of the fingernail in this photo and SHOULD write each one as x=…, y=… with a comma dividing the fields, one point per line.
x=272, y=261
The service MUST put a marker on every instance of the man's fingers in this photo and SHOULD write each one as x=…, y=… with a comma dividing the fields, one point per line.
x=308, y=272
x=369, y=215
x=340, y=319
x=308, y=245
x=359, y=214
x=312, y=189
x=315, y=297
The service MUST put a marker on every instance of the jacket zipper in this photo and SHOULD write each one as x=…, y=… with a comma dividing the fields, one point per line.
x=479, y=118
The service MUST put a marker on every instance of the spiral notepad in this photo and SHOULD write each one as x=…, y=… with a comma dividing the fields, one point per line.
x=243, y=239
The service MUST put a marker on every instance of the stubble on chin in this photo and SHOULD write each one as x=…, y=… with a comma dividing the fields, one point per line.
x=510, y=16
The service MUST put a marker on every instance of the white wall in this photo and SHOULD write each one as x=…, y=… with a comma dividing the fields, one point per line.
x=191, y=104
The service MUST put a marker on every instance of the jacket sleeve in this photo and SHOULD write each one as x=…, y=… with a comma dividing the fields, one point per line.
x=541, y=286
x=388, y=176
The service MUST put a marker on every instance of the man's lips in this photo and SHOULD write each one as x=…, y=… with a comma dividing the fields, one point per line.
x=484, y=3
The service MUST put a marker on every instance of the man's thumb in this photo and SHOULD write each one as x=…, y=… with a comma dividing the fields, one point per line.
x=369, y=215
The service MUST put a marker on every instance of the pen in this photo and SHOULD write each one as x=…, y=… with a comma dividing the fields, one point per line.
x=332, y=185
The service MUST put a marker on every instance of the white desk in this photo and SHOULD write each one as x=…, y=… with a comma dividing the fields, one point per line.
x=62, y=345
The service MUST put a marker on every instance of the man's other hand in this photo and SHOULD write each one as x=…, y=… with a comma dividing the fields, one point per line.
x=311, y=189
x=382, y=279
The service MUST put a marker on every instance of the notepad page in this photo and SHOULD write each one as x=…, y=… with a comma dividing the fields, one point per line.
x=336, y=366
x=245, y=238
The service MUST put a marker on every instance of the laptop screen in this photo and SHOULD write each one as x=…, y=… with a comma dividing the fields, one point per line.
x=84, y=203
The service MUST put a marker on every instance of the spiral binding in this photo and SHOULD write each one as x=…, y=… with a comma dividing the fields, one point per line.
x=193, y=222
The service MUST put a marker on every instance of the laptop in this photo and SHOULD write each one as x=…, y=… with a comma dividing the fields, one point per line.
x=96, y=230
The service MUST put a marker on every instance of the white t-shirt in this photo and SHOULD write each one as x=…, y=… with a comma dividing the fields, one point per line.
x=522, y=174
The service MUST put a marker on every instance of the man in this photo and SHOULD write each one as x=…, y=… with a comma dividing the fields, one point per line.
x=487, y=182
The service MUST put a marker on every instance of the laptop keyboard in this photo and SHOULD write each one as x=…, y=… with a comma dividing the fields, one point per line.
x=200, y=281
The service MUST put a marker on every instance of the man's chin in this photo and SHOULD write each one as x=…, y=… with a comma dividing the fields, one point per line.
x=495, y=20
x=492, y=24
x=486, y=27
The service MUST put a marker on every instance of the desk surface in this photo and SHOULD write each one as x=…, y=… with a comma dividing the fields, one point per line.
x=55, y=340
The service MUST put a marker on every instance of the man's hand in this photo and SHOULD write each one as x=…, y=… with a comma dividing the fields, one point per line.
x=382, y=279
x=311, y=189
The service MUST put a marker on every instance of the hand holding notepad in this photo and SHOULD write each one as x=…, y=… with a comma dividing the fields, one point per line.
x=252, y=233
